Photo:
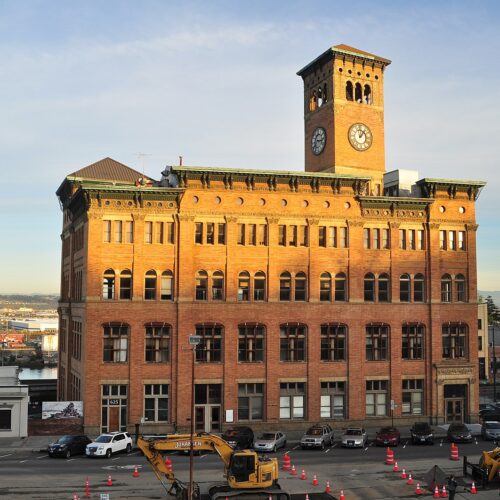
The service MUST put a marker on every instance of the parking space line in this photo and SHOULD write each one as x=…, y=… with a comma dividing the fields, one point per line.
x=366, y=449
x=22, y=461
x=334, y=445
x=70, y=459
x=441, y=443
x=3, y=456
x=43, y=456
x=295, y=447
x=327, y=450
x=117, y=458
x=203, y=456
x=404, y=446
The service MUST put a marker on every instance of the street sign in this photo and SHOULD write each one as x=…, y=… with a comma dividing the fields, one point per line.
x=194, y=339
x=393, y=404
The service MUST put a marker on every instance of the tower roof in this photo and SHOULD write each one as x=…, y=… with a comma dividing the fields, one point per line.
x=347, y=51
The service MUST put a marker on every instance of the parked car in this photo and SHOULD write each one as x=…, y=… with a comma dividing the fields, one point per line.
x=354, y=437
x=459, y=433
x=107, y=444
x=490, y=430
x=318, y=436
x=387, y=436
x=239, y=437
x=490, y=415
x=66, y=446
x=421, y=433
x=270, y=441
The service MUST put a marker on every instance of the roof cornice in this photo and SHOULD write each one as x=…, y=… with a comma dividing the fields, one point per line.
x=430, y=187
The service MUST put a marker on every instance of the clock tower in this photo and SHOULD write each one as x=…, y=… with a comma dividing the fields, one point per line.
x=344, y=114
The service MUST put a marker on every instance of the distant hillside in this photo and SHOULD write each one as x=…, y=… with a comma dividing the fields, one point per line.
x=494, y=295
x=37, y=301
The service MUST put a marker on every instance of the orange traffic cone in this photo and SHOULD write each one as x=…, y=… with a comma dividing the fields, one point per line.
x=396, y=468
x=389, y=459
x=443, y=492
x=307, y=496
x=315, y=480
x=328, y=489
x=454, y=452
x=403, y=474
x=303, y=475
x=293, y=472
x=410, y=480
x=87, y=488
x=436, y=492
x=341, y=497
x=136, y=472
x=110, y=481
x=418, y=491
x=473, y=488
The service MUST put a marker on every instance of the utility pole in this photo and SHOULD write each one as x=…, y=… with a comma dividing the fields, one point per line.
x=194, y=340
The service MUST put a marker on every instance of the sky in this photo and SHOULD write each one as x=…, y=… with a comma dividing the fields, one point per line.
x=144, y=82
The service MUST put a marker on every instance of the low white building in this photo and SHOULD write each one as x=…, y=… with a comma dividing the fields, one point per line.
x=14, y=401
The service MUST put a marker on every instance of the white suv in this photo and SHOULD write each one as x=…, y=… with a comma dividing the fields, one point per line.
x=107, y=444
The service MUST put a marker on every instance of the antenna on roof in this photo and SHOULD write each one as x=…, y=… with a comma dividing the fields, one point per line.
x=180, y=161
x=142, y=156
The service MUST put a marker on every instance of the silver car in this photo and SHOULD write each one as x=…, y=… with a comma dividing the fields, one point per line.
x=490, y=430
x=270, y=441
x=354, y=437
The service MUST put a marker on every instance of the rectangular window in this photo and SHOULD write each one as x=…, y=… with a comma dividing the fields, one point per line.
x=5, y=419
x=452, y=240
x=304, y=236
x=159, y=233
x=115, y=343
x=76, y=340
x=366, y=238
x=210, y=233
x=241, y=234
x=377, y=347
x=385, y=239
x=412, y=239
x=479, y=324
x=402, y=239
x=479, y=342
x=250, y=402
x=156, y=402
x=198, y=233
x=282, y=235
x=148, y=232
x=292, y=234
x=333, y=342
x=166, y=286
x=292, y=343
x=332, y=402
x=209, y=350
x=169, y=232
x=442, y=240
x=420, y=239
x=413, y=392
x=157, y=343
x=292, y=400
x=129, y=231
x=376, y=238
x=252, y=234
x=461, y=240
x=454, y=340
x=413, y=341
x=263, y=234
x=376, y=398
x=322, y=236
x=106, y=225
x=251, y=343
x=221, y=233
x=332, y=236
x=118, y=231
x=343, y=237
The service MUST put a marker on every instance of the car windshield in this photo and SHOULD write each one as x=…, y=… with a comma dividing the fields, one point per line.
x=267, y=436
x=387, y=430
x=422, y=427
x=314, y=431
x=64, y=440
x=458, y=428
x=104, y=439
x=353, y=432
x=493, y=425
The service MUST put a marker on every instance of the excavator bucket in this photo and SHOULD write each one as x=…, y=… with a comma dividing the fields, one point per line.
x=491, y=461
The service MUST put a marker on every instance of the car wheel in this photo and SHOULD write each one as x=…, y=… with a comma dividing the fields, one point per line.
x=68, y=454
x=108, y=453
x=284, y=444
x=51, y=455
x=129, y=448
x=322, y=445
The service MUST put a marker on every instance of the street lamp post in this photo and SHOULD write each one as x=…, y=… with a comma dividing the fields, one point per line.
x=194, y=340
x=494, y=366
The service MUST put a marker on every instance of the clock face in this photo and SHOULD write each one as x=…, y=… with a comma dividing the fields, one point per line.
x=360, y=136
x=318, y=140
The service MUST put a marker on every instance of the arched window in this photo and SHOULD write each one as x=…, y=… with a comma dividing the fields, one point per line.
x=218, y=285
x=209, y=350
x=320, y=97
x=340, y=287
x=312, y=102
x=367, y=95
x=349, y=91
x=259, y=286
x=325, y=287
x=244, y=287
x=126, y=285
x=404, y=288
x=293, y=342
x=383, y=288
x=333, y=342
x=325, y=95
x=461, y=289
x=150, y=285
x=412, y=336
x=300, y=287
x=201, y=285
x=446, y=288
x=251, y=342
x=285, y=286
x=358, y=93
x=167, y=286
x=369, y=287
x=419, y=288
x=108, y=285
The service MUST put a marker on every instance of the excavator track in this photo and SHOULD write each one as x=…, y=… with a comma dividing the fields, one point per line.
x=224, y=491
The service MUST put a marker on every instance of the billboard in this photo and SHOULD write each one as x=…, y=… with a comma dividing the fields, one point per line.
x=62, y=409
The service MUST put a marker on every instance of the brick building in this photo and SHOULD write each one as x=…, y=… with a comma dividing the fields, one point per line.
x=317, y=294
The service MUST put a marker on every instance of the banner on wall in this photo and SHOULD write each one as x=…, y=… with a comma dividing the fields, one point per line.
x=62, y=409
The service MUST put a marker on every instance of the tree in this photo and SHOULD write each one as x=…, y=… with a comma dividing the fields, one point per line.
x=493, y=311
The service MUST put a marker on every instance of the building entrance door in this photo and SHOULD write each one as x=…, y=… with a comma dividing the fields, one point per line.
x=208, y=407
x=454, y=410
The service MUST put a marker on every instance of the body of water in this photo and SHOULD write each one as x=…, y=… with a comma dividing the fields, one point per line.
x=38, y=373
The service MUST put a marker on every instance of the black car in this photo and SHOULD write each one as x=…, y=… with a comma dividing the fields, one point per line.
x=66, y=446
x=239, y=437
x=421, y=433
x=459, y=433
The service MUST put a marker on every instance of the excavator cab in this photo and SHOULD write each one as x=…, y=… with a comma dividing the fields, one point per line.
x=241, y=466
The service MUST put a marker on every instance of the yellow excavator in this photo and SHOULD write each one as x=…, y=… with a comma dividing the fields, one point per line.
x=248, y=475
x=491, y=462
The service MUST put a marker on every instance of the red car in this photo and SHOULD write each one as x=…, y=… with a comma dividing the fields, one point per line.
x=388, y=436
